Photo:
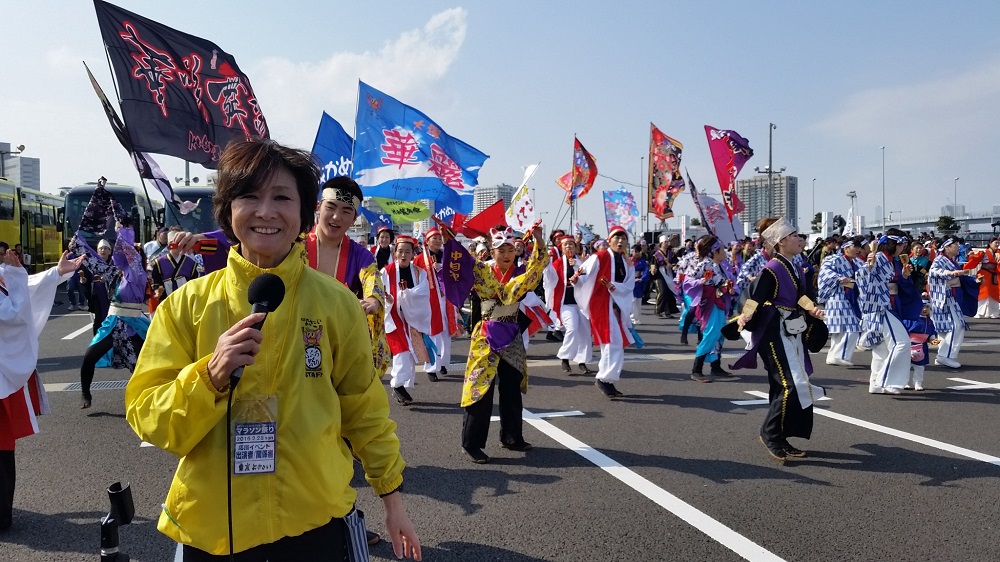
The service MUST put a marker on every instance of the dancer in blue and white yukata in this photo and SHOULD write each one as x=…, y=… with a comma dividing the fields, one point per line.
x=943, y=279
x=886, y=293
x=843, y=314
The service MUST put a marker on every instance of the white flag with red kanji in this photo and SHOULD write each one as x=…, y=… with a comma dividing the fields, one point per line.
x=521, y=214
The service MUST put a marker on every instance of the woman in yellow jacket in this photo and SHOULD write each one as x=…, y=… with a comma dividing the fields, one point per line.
x=307, y=386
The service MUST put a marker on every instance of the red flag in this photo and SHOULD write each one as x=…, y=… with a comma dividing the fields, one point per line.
x=665, y=180
x=730, y=152
x=488, y=218
x=563, y=181
x=584, y=171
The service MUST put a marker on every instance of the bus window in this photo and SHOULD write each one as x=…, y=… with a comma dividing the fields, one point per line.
x=6, y=207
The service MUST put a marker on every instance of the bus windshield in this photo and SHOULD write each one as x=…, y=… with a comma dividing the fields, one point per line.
x=200, y=219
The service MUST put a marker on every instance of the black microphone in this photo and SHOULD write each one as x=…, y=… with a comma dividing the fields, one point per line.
x=266, y=292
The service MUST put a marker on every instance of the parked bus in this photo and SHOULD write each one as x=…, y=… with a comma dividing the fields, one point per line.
x=142, y=210
x=199, y=219
x=32, y=219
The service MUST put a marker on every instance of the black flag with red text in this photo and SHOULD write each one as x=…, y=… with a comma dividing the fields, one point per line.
x=181, y=95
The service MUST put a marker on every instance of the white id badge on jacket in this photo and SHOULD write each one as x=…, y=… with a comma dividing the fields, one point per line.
x=255, y=435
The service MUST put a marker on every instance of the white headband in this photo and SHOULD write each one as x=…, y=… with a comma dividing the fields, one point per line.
x=342, y=195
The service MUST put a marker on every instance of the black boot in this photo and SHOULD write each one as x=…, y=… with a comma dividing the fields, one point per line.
x=8, y=476
x=566, y=367
x=696, y=370
x=718, y=370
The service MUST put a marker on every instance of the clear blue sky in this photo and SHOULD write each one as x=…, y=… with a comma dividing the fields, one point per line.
x=517, y=79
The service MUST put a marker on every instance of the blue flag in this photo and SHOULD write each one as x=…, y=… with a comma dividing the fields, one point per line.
x=376, y=220
x=332, y=148
x=402, y=154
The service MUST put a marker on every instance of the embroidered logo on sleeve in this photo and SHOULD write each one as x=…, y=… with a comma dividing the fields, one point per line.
x=312, y=332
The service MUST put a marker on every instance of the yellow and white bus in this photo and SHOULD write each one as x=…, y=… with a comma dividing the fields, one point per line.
x=34, y=220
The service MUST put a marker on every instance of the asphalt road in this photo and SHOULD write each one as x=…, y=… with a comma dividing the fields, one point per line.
x=672, y=472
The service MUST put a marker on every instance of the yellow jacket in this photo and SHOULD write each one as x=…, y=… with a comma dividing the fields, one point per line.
x=171, y=403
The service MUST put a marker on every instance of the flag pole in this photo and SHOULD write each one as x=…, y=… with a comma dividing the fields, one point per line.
x=573, y=218
x=142, y=181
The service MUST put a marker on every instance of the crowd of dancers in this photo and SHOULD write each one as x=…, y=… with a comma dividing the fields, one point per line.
x=891, y=294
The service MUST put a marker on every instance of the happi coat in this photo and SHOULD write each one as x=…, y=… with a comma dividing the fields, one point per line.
x=481, y=367
x=598, y=303
x=842, y=311
x=943, y=288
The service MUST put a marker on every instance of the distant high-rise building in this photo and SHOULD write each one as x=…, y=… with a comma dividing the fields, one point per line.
x=953, y=210
x=753, y=193
x=486, y=196
x=24, y=172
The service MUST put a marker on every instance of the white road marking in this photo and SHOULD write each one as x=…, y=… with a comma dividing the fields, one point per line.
x=934, y=443
x=56, y=386
x=145, y=444
x=762, y=401
x=549, y=415
x=974, y=385
x=78, y=332
x=725, y=536
x=979, y=343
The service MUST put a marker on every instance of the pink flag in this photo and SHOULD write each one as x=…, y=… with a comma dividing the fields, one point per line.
x=730, y=152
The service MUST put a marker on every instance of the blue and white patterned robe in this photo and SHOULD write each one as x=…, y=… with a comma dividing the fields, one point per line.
x=873, y=285
x=751, y=268
x=943, y=297
x=840, y=314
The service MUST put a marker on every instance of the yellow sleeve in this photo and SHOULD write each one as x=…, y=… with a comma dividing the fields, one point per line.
x=484, y=283
x=170, y=401
x=364, y=405
x=516, y=288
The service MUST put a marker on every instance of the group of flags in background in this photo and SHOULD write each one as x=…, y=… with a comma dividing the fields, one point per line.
x=184, y=96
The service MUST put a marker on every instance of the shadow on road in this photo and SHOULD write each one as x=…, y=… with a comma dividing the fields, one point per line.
x=79, y=532
x=939, y=470
x=459, y=486
x=453, y=550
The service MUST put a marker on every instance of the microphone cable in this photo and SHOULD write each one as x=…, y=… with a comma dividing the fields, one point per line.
x=229, y=462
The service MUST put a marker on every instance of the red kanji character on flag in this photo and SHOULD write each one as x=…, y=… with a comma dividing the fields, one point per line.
x=399, y=149
x=445, y=168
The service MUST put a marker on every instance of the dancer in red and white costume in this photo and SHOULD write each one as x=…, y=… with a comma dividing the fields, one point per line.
x=406, y=307
x=25, y=304
x=560, y=278
x=443, y=323
x=605, y=296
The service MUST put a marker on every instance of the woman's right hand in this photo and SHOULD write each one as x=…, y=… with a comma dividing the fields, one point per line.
x=237, y=347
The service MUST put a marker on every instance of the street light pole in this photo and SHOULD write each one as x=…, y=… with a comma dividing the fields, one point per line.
x=883, y=188
x=770, y=167
x=956, y=197
x=813, y=216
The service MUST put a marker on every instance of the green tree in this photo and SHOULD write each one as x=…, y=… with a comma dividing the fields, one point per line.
x=816, y=222
x=695, y=222
x=947, y=225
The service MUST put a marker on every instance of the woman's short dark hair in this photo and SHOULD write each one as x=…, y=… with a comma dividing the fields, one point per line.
x=704, y=245
x=244, y=167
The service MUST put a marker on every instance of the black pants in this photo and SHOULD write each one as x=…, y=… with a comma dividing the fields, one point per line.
x=322, y=543
x=476, y=425
x=666, y=302
x=8, y=477
x=689, y=319
x=94, y=354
